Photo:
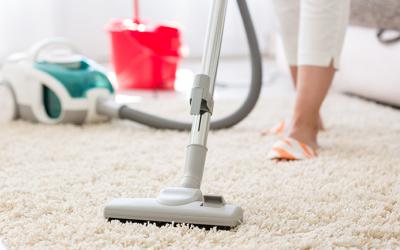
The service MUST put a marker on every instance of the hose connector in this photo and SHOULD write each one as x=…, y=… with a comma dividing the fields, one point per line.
x=108, y=107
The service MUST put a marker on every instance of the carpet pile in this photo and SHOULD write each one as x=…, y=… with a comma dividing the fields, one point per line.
x=56, y=179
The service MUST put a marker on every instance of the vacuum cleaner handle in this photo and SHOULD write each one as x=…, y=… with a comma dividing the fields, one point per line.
x=58, y=42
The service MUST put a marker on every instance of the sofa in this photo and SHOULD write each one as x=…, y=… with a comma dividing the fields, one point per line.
x=370, y=66
x=376, y=13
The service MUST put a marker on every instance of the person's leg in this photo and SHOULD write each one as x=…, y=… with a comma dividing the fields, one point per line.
x=313, y=85
x=321, y=34
x=288, y=14
x=322, y=29
x=294, y=72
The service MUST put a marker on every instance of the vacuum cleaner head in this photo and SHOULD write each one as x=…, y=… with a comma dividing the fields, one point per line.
x=209, y=212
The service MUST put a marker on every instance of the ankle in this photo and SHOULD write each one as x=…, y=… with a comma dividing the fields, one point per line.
x=306, y=131
x=304, y=134
x=310, y=124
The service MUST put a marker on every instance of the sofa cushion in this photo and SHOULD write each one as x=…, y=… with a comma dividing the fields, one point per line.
x=376, y=13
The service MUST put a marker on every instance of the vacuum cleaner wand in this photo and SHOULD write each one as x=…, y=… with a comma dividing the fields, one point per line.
x=186, y=203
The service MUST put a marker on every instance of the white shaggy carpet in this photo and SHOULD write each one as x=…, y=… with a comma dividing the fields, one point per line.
x=56, y=179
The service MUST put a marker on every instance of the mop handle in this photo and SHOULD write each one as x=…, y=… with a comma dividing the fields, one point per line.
x=136, y=11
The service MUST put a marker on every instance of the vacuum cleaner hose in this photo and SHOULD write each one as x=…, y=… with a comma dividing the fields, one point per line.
x=125, y=112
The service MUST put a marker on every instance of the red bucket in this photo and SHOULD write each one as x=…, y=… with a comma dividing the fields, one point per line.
x=145, y=57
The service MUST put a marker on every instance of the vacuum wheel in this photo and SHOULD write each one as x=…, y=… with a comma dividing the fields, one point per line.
x=7, y=103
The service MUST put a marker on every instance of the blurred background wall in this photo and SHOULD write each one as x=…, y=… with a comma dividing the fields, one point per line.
x=84, y=22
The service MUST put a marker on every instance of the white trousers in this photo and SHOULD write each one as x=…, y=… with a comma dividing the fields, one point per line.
x=313, y=31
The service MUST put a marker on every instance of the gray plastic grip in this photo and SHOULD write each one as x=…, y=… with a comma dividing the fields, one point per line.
x=201, y=100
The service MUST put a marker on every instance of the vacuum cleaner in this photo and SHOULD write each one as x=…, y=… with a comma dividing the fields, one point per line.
x=53, y=83
x=186, y=203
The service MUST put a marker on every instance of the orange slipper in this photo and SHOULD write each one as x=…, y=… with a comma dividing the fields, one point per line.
x=292, y=150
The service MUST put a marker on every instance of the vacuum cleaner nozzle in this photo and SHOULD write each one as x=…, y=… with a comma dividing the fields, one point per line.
x=177, y=206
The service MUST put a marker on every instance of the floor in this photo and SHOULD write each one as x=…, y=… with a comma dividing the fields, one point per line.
x=56, y=179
